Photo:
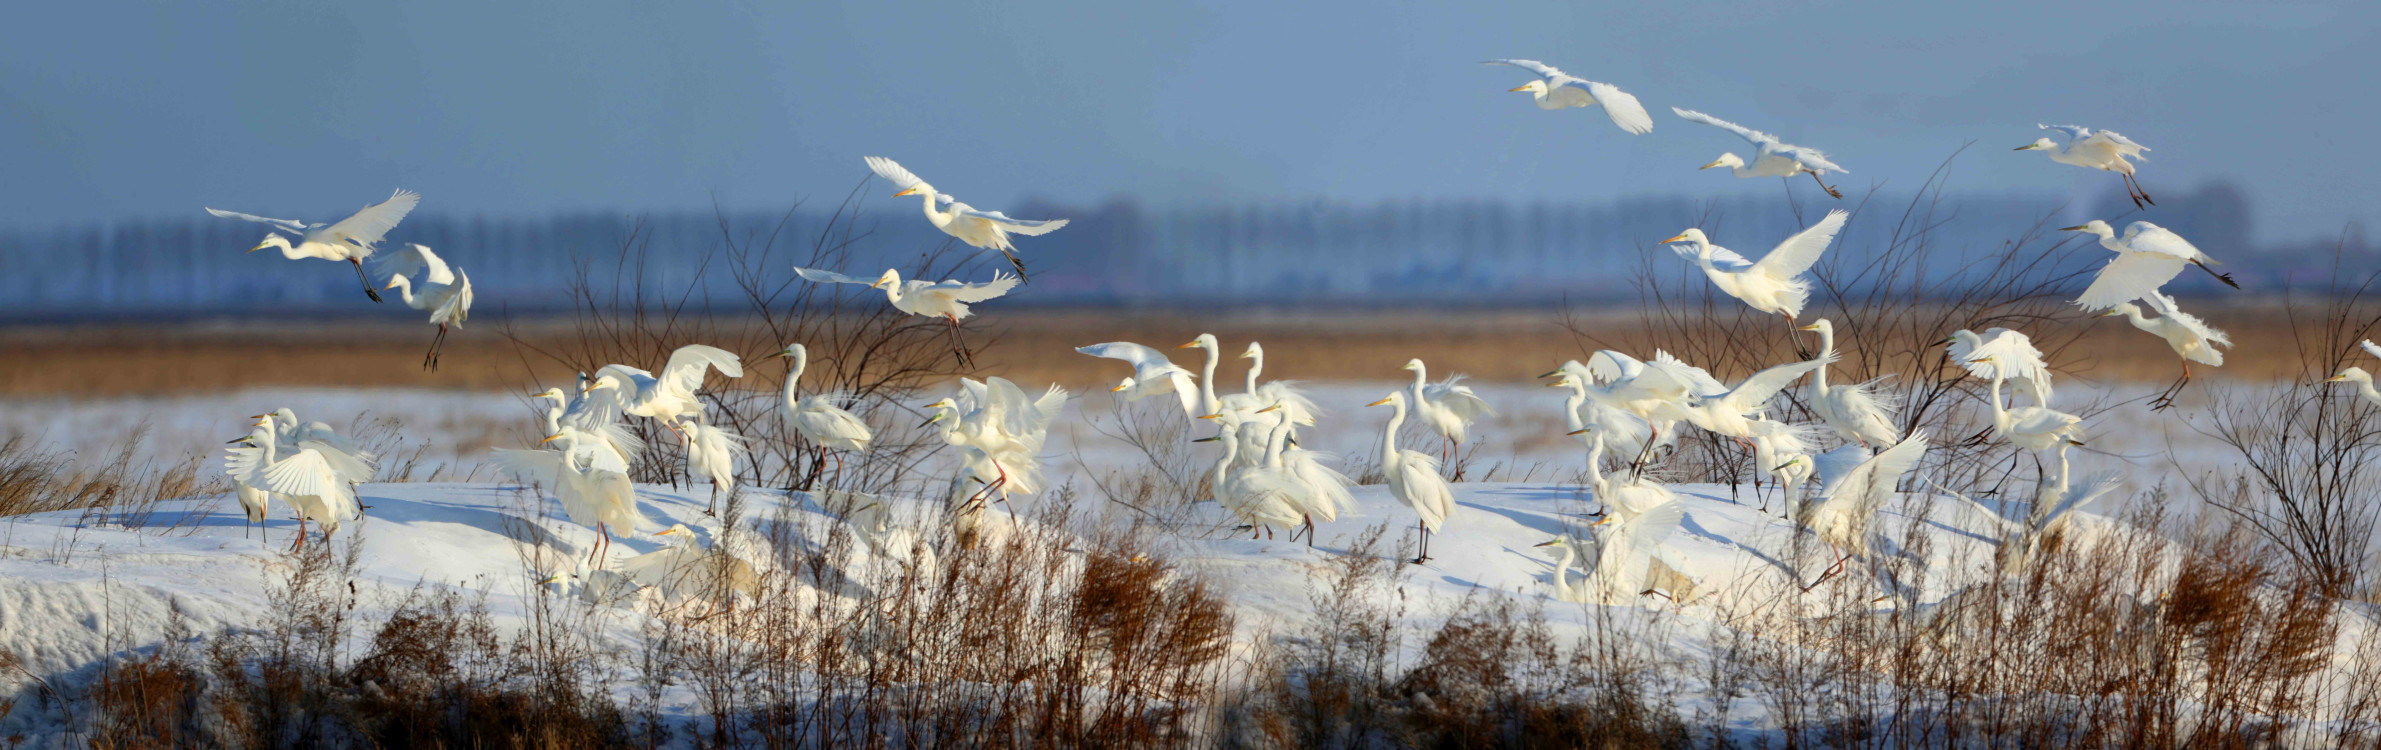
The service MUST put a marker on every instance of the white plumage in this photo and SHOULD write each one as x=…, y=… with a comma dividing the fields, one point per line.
x=445, y=293
x=2003, y=353
x=1841, y=516
x=351, y=239
x=2147, y=257
x=1854, y=411
x=2095, y=149
x=1774, y=284
x=988, y=230
x=1771, y=157
x=1447, y=407
x=818, y=419
x=1153, y=374
x=305, y=479
x=621, y=389
x=1414, y=477
x=1555, y=89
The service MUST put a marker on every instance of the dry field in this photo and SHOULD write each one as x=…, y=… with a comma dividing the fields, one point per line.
x=119, y=359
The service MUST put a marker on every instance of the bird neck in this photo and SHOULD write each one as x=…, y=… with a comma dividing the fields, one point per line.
x=1389, y=433
x=926, y=194
x=1826, y=349
x=554, y=419
x=1572, y=403
x=1421, y=378
x=1275, y=443
x=793, y=376
x=1207, y=398
x=2000, y=414
x=404, y=287
x=1256, y=365
x=1223, y=466
x=1562, y=570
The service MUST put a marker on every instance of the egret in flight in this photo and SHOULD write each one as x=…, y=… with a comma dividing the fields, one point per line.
x=351, y=239
x=1153, y=374
x=593, y=495
x=2096, y=149
x=445, y=292
x=1555, y=89
x=305, y=478
x=2003, y=353
x=621, y=389
x=1774, y=284
x=2190, y=338
x=1771, y=157
x=945, y=299
x=1841, y=517
x=2147, y=257
x=988, y=230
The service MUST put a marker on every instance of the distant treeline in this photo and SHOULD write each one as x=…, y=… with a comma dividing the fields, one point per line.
x=1122, y=252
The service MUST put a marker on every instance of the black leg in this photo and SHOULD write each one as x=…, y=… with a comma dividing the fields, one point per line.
x=1014, y=262
x=361, y=281
x=1831, y=193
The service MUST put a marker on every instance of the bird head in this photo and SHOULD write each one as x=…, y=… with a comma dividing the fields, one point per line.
x=2039, y=143
x=1560, y=380
x=1412, y=364
x=552, y=393
x=2094, y=226
x=1253, y=351
x=1122, y=385
x=1395, y=398
x=397, y=281
x=2350, y=374
x=1690, y=235
x=1535, y=88
x=2120, y=309
x=1790, y=462
x=1204, y=341
x=1729, y=160
x=272, y=239
x=891, y=278
x=941, y=409
x=793, y=350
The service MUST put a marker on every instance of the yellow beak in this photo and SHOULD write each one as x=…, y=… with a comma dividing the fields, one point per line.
x=911, y=191
x=550, y=438
x=1563, y=383
x=1522, y=87
x=1190, y=345
x=1269, y=408
x=259, y=246
x=2075, y=228
x=880, y=283
x=1811, y=327
x=1714, y=163
x=1210, y=416
x=1580, y=431
x=1378, y=403
x=1548, y=543
x=1115, y=389
x=1678, y=238
x=392, y=284
x=1601, y=521
x=2335, y=379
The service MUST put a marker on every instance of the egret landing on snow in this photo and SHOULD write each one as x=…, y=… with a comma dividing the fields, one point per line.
x=351, y=239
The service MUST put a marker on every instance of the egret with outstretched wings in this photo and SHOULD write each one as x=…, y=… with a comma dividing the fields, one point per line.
x=351, y=239
x=989, y=230
x=1555, y=89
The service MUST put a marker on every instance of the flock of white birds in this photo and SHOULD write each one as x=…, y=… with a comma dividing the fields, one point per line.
x=1627, y=411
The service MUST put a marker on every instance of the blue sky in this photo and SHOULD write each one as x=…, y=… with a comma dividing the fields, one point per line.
x=145, y=109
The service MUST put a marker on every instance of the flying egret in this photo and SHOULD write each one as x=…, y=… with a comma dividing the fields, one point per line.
x=817, y=419
x=946, y=299
x=445, y=293
x=351, y=239
x=1773, y=285
x=711, y=451
x=304, y=479
x=1841, y=517
x=2190, y=338
x=1731, y=413
x=1558, y=90
x=1413, y=477
x=2096, y=149
x=1771, y=157
x=1153, y=374
x=997, y=419
x=1626, y=548
x=2147, y=257
x=2363, y=381
x=988, y=230
x=1854, y=411
x=2004, y=352
x=621, y=389
x=597, y=498
x=1447, y=407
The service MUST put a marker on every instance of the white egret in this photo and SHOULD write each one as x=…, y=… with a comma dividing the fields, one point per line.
x=1252, y=502
x=1773, y=285
x=997, y=419
x=305, y=479
x=1731, y=413
x=1771, y=157
x=1841, y=517
x=1413, y=477
x=2147, y=257
x=445, y=293
x=2022, y=540
x=688, y=569
x=1295, y=405
x=351, y=239
x=354, y=464
x=2190, y=338
x=1447, y=407
x=599, y=499
x=252, y=503
x=592, y=585
x=2033, y=428
x=1555, y=89
x=1785, y=455
x=1316, y=491
x=1297, y=408
x=1153, y=374
x=711, y=451
x=1627, y=549
x=947, y=299
x=1633, y=494
x=2363, y=381
x=987, y=230
x=1854, y=411
x=621, y=389
x=1657, y=391
x=817, y=419
x=2004, y=353
x=599, y=448
x=2096, y=149
x=1626, y=433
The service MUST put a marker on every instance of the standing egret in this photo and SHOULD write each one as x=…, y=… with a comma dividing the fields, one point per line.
x=1153, y=374
x=305, y=479
x=1633, y=495
x=945, y=299
x=1555, y=89
x=1447, y=407
x=1236, y=488
x=817, y=419
x=1841, y=517
x=1624, y=432
x=599, y=448
x=445, y=293
x=2006, y=353
x=1294, y=404
x=2033, y=428
x=2147, y=257
x=987, y=230
x=1413, y=478
x=599, y=499
x=1627, y=547
x=2096, y=149
x=1774, y=284
x=1853, y=411
x=350, y=239
x=2190, y=338
x=1315, y=491
x=628, y=390
x=711, y=451
x=1771, y=157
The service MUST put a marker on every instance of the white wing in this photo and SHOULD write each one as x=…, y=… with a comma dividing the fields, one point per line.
x=892, y=172
x=245, y=464
x=1143, y=358
x=1698, y=381
x=306, y=474
x=2090, y=489
x=1046, y=408
x=2370, y=347
x=413, y=258
x=1877, y=476
x=1019, y=226
x=2165, y=305
x=2124, y=146
x=537, y=467
x=1624, y=109
x=298, y=227
x=2144, y=237
x=1721, y=258
x=1833, y=466
x=2073, y=132
x=2001, y=524
x=1756, y=137
x=1609, y=366
x=831, y=277
x=367, y=226
x=1756, y=390
x=348, y=466
x=960, y=291
x=457, y=305
x=1459, y=398
x=2128, y=277
x=1799, y=252
x=685, y=371
x=1543, y=70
